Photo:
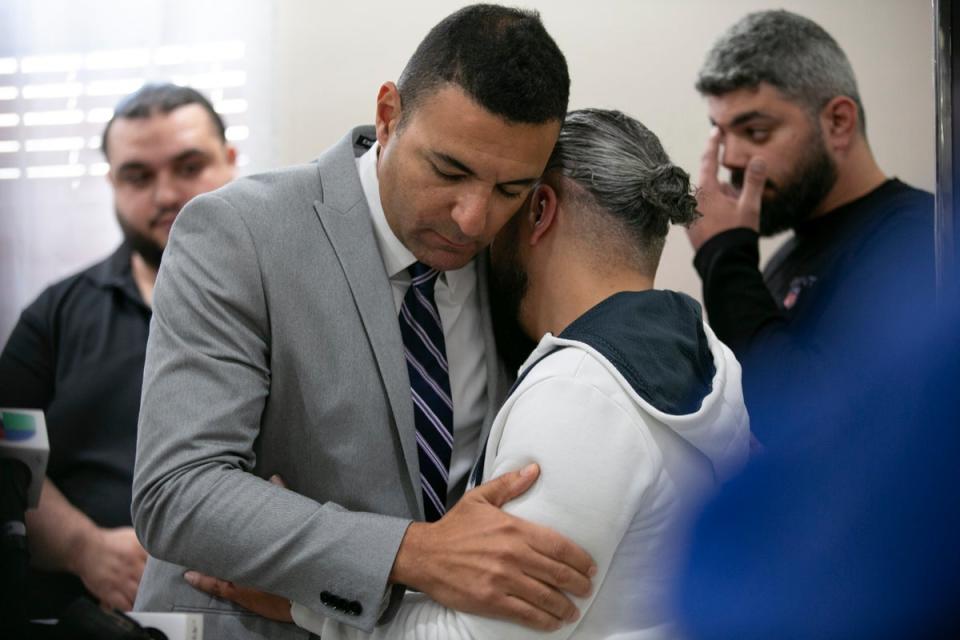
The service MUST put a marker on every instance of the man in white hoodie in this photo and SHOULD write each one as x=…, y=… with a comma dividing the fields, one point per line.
x=629, y=404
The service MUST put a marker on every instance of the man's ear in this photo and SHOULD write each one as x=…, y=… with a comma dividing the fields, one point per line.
x=543, y=212
x=840, y=121
x=388, y=112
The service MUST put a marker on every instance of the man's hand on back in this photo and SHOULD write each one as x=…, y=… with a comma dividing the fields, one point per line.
x=478, y=559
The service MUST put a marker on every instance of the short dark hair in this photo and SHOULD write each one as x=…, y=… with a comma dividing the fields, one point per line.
x=786, y=50
x=503, y=58
x=154, y=98
x=620, y=170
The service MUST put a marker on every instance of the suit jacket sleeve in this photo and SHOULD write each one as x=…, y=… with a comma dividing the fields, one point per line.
x=207, y=379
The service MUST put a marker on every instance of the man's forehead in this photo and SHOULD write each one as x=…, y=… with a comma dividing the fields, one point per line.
x=451, y=124
x=763, y=100
x=161, y=135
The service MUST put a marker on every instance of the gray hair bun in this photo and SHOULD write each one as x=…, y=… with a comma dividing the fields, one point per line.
x=667, y=188
x=625, y=169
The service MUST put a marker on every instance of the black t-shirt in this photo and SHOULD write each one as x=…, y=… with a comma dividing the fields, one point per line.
x=77, y=353
x=816, y=298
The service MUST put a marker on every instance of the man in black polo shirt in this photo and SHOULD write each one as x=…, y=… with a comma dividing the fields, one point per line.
x=77, y=352
x=789, y=125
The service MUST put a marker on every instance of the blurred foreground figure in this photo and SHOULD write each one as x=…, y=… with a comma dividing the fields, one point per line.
x=851, y=530
x=790, y=127
x=77, y=352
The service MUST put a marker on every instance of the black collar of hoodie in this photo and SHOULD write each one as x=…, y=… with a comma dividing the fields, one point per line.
x=656, y=341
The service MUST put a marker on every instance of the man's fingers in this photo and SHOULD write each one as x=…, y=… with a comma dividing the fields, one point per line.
x=118, y=601
x=277, y=480
x=709, y=162
x=562, y=576
x=139, y=563
x=547, y=599
x=729, y=190
x=208, y=584
x=751, y=196
x=261, y=603
x=131, y=590
x=561, y=563
x=505, y=488
x=519, y=610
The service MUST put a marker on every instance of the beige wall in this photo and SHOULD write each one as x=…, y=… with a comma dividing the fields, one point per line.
x=639, y=56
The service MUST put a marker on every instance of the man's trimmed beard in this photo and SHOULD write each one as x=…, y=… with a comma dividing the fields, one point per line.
x=508, y=286
x=800, y=193
x=507, y=275
x=148, y=248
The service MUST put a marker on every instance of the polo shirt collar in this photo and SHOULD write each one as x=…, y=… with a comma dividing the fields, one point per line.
x=115, y=272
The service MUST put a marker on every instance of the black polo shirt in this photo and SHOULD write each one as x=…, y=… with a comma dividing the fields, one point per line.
x=77, y=352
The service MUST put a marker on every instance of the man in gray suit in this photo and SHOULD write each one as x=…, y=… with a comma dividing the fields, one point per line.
x=295, y=331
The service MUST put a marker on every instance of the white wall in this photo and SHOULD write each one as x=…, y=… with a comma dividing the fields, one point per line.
x=637, y=56
x=55, y=225
x=318, y=72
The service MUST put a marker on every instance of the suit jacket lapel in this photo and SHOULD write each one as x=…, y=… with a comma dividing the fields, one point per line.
x=345, y=217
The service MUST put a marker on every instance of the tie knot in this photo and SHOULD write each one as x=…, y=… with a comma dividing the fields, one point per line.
x=422, y=276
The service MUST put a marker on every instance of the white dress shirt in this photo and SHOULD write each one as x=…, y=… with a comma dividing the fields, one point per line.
x=458, y=302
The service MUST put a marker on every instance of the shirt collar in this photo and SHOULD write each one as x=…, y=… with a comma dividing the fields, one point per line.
x=115, y=272
x=396, y=257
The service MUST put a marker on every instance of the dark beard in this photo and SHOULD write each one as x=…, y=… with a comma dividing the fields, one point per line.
x=508, y=286
x=147, y=247
x=800, y=194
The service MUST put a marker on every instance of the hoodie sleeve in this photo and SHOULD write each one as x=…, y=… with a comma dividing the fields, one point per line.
x=596, y=464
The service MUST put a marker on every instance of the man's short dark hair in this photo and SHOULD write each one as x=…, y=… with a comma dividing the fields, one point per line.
x=162, y=98
x=503, y=58
x=786, y=50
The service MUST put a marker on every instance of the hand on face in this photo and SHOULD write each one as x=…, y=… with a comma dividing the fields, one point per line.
x=722, y=206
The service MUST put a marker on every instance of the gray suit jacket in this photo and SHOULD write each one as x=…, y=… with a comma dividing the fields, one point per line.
x=274, y=348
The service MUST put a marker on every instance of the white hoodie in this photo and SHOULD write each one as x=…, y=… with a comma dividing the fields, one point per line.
x=626, y=448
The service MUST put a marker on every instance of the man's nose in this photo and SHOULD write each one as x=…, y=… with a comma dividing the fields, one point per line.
x=167, y=194
x=735, y=154
x=471, y=211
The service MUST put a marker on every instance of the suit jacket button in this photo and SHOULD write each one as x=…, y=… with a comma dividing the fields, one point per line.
x=355, y=608
x=325, y=597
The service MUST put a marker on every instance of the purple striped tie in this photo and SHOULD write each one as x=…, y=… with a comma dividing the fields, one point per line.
x=426, y=355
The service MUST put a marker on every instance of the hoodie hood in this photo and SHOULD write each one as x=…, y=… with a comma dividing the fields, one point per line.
x=656, y=341
x=670, y=362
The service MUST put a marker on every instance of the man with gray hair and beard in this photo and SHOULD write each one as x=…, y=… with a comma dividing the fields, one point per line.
x=629, y=404
x=789, y=125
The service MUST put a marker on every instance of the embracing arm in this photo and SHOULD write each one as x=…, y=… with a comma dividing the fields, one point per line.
x=595, y=466
x=207, y=378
